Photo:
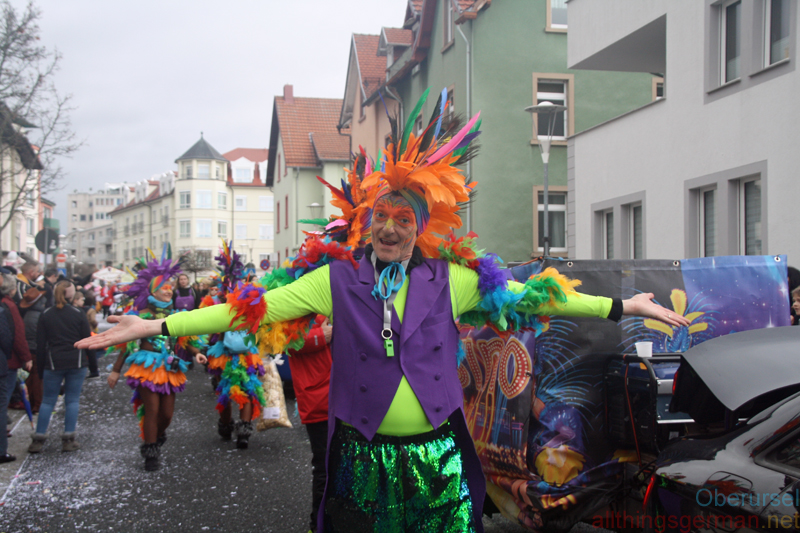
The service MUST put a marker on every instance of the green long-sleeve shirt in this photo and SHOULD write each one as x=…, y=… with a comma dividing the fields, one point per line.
x=312, y=294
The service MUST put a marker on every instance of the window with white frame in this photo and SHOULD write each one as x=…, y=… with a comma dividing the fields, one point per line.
x=724, y=210
x=185, y=199
x=448, y=22
x=556, y=219
x=266, y=232
x=222, y=229
x=240, y=203
x=554, y=91
x=222, y=200
x=240, y=231
x=707, y=223
x=29, y=224
x=203, y=229
x=218, y=171
x=776, y=31
x=242, y=175
x=203, y=171
x=557, y=15
x=266, y=203
x=750, y=217
x=185, y=229
x=730, y=32
x=203, y=199
x=188, y=170
x=264, y=257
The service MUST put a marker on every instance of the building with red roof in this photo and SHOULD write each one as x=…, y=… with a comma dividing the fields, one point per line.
x=305, y=142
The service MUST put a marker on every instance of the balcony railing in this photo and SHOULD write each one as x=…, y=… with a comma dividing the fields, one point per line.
x=165, y=220
x=141, y=227
x=127, y=230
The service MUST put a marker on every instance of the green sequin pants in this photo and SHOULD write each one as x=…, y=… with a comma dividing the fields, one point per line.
x=397, y=484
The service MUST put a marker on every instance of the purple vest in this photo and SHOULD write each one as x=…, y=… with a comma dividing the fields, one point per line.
x=184, y=302
x=364, y=380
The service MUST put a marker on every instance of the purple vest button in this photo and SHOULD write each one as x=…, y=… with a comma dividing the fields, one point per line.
x=363, y=388
x=363, y=357
x=437, y=377
x=437, y=347
x=438, y=408
x=365, y=420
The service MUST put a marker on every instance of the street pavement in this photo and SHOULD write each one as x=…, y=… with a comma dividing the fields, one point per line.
x=204, y=484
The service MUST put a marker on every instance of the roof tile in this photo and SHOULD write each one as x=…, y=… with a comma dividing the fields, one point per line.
x=399, y=36
x=311, y=115
x=257, y=155
x=370, y=64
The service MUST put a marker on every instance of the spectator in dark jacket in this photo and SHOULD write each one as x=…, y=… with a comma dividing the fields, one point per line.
x=31, y=307
x=20, y=357
x=50, y=279
x=58, y=361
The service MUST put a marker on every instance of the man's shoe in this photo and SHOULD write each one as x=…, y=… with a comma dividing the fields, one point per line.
x=37, y=443
x=7, y=458
x=92, y=376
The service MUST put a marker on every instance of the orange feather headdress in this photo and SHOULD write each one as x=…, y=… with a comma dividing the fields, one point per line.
x=421, y=168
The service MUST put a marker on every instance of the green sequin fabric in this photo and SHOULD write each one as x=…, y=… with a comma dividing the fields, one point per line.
x=397, y=484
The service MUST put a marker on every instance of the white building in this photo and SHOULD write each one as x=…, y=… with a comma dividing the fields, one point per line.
x=206, y=200
x=710, y=168
x=90, y=209
x=20, y=209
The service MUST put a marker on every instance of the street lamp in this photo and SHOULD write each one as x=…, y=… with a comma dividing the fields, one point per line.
x=316, y=210
x=546, y=111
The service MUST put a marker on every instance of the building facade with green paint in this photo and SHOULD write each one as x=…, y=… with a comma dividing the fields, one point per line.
x=499, y=58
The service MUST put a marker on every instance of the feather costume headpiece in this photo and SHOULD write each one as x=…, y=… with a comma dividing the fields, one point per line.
x=422, y=170
x=352, y=228
x=230, y=268
x=152, y=277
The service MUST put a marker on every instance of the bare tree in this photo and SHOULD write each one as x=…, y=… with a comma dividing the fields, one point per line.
x=196, y=261
x=35, y=128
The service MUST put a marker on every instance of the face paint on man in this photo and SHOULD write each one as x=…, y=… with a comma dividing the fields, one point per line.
x=394, y=228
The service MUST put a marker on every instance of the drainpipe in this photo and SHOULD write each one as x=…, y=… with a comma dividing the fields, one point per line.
x=295, y=232
x=469, y=115
x=349, y=138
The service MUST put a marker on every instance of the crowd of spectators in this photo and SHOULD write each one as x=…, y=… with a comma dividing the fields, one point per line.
x=25, y=294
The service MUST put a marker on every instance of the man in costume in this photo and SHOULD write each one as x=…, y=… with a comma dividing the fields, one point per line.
x=400, y=456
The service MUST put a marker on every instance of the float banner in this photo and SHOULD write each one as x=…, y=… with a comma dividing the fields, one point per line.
x=534, y=404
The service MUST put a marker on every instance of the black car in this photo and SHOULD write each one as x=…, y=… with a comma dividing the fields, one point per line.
x=740, y=469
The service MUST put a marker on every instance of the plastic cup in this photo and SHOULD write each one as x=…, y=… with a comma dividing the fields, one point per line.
x=644, y=349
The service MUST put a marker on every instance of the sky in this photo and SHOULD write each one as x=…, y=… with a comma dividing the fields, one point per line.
x=148, y=76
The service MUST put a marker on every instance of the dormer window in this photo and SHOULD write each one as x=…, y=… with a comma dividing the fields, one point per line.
x=242, y=175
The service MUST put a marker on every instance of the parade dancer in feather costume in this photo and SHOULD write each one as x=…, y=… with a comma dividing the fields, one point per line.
x=235, y=359
x=157, y=362
x=400, y=455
